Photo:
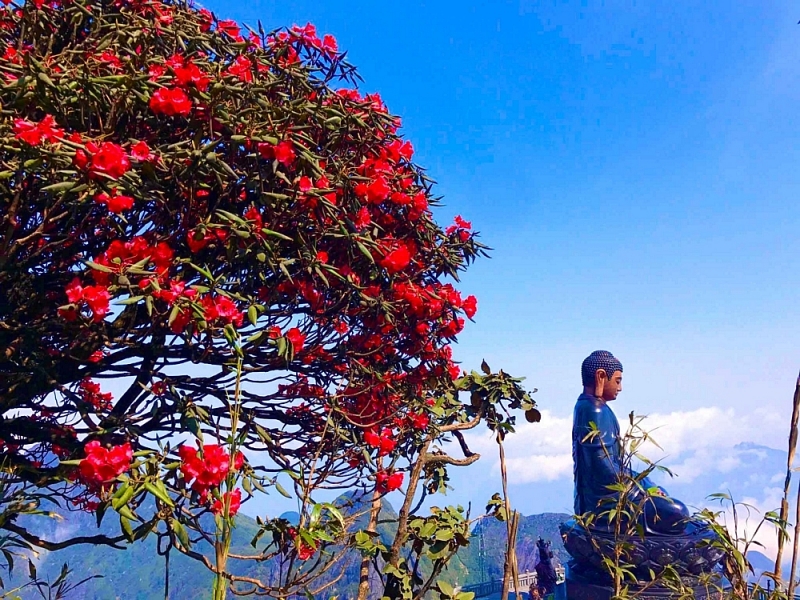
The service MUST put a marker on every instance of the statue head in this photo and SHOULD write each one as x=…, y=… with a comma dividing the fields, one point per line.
x=601, y=373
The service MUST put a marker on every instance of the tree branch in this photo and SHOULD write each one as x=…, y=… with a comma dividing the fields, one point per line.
x=40, y=543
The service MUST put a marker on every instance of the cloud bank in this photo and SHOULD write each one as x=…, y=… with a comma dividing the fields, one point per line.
x=693, y=443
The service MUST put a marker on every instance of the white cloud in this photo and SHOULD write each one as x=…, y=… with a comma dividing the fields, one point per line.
x=692, y=443
x=536, y=452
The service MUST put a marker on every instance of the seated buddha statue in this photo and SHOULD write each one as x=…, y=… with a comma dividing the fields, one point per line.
x=597, y=457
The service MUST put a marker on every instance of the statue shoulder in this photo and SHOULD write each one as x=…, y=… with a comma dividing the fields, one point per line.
x=589, y=409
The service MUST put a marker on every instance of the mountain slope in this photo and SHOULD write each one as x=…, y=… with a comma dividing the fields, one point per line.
x=138, y=573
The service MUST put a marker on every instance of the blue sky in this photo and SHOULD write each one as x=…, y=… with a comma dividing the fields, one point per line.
x=636, y=168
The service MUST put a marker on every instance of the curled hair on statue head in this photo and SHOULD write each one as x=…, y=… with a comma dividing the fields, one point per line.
x=599, y=359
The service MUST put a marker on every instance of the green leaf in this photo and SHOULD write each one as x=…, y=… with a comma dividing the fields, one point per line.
x=159, y=491
x=282, y=491
x=252, y=314
x=365, y=252
x=46, y=79
x=266, y=231
x=445, y=587
x=180, y=532
x=98, y=267
x=125, y=524
x=62, y=186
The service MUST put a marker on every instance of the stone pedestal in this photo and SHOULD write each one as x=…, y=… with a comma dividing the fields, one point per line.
x=692, y=554
x=579, y=588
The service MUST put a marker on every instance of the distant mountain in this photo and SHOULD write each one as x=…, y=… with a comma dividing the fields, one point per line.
x=747, y=470
x=137, y=573
x=493, y=532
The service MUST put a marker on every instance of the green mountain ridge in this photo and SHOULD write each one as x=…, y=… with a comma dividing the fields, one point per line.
x=138, y=572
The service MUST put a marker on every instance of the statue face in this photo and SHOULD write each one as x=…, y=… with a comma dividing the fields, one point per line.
x=608, y=387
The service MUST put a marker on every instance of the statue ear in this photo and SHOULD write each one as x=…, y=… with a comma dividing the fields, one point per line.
x=600, y=378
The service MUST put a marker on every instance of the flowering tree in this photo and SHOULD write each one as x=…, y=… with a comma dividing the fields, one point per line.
x=221, y=220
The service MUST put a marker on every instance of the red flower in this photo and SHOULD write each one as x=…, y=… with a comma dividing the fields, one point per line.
x=284, y=153
x=238, y=461
x=470, y=306
x=35, y=133
x=222, y=308
x=89, y=391
x=419, y=421
x=363, y=218
x=170, y=102
x=304, y=184
x=190, y=74
x=304, y=549
x=296, y=339
x=229, y=28
x=329, y=44
x=241, y=68
x=207, y=468
x=95, y=296
x=141, y=151
x=96, y=356
x=378, y=191
x=74, y=291
x=115, y=204
x=234, y=500
x=383, y=442
x=109, y=160
x=396, y=260
x=102, y=465
x=206, y=19
x=387, y=481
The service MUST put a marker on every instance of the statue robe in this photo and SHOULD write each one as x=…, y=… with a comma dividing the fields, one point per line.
x=598, y=464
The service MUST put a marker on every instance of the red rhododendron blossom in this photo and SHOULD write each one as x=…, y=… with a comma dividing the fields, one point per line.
x=89, y=391
x=387, y=481
x=222, y=308
x=304, y=184
x=177, y=289
x=419, y=421
x=241, y=68
x=96, y=298
x=96, y=356
x=283, y=152
x=461, y=227
x=296, y=339
x=329, y=44
x=35, y=133
x=383, y=442
x=115, y=204
x=109, y=160
x=396, y=260
x=234, y=500
x=170, y=102
x=190, y=74
x=206, y=19
x=304, y=549
x=229, y=28
x=102, y=465
x=207, y=468
x=470, y=306
x=378, y=191
x=141, y=152
x=238, y=461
